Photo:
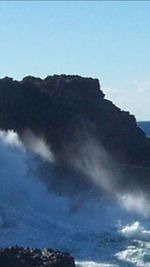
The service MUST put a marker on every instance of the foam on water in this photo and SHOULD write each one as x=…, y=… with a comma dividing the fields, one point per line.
x=137, y=231
x=93, y=264
x=97, y=230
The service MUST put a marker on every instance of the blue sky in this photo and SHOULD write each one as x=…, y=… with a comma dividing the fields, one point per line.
x=109, y=40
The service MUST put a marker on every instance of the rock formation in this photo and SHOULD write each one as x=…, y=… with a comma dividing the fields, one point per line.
x=26, y=257
x=58, y=107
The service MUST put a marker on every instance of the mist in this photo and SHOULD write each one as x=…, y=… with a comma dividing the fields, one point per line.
x=37, y=145
x=93, y=168
x=90, y=175
x=94, y=222
x=85, y=156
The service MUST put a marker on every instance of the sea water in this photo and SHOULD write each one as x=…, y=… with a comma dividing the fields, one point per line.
x=96, y=229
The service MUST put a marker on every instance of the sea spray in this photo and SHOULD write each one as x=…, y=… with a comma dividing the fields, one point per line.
x=96, y=229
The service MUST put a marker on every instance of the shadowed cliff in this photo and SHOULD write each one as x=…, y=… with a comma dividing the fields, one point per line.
x=61, y=107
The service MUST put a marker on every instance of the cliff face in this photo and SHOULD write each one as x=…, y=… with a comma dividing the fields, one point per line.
x=58, y=107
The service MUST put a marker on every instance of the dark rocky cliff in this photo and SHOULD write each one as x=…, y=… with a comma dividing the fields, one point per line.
x=58, y=107
x=26, y=257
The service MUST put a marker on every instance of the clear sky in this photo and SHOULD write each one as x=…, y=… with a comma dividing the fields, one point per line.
x=108, y=40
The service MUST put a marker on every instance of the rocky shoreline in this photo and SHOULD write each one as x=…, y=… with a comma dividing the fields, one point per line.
x=31, y=257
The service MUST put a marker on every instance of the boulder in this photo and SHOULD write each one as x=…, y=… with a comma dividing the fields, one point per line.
x=27, y=257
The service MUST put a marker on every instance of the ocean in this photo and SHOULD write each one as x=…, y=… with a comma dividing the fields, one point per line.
x=99, y=230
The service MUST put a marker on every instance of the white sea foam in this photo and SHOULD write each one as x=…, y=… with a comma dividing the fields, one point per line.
x=98, y=231
x=136, y=231
x=136, y=254
x=93, y=264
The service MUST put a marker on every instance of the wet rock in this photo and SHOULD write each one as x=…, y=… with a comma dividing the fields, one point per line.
x=27, y=257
